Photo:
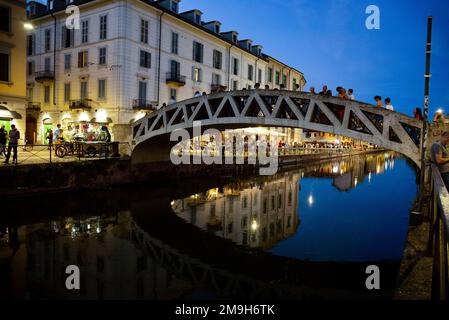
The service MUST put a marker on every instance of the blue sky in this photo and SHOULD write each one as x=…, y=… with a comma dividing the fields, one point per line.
x=328, y=41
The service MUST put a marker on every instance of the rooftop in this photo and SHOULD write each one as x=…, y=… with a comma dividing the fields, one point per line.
x=180, y=16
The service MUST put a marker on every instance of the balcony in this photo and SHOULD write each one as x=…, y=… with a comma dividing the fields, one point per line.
x=44, y=76
x=84, y=104
x=144, y=105
x=218, y=88
x=176, y=79
x=33, y=106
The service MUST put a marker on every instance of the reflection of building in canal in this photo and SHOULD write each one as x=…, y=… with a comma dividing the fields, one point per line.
x=362, y=168
x=112, y=266
x=255, y=215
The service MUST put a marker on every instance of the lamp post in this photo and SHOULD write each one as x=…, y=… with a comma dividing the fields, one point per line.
x=425, y=132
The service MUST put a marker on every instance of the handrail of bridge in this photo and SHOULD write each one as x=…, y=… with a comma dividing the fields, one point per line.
x=439, y=235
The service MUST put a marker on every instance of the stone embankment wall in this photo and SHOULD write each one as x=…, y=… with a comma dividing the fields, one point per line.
x=103, y=174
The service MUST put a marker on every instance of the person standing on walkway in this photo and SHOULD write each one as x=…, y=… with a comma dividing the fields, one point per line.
x=3, y=136
x=50, y=138
x=57, y=133
x=14, y=137
x=439, y=154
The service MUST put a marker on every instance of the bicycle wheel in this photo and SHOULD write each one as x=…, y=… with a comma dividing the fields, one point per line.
x=61, y=152
x=91, y=152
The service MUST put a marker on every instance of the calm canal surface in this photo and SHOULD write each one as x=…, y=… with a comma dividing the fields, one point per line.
x=308, y=233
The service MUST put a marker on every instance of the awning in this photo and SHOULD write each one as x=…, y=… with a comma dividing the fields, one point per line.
x=107, y=120
x=9, y=115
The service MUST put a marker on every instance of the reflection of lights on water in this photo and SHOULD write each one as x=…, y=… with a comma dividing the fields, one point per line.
x=356, y=181
x=378, y=169
x=254, y=225
x=310, y=200
x=369, y=177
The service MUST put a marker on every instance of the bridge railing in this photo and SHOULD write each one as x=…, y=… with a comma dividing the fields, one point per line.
x=439, y=235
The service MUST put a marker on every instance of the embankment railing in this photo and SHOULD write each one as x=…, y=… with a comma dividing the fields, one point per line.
x=439, y=235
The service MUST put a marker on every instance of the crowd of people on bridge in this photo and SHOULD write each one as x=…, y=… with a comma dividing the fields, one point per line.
x=341, y=93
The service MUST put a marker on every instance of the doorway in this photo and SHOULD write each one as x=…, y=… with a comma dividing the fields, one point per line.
x=31, y=129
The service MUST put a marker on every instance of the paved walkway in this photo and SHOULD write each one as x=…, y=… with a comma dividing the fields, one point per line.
x=415, y=280
x=40, y=155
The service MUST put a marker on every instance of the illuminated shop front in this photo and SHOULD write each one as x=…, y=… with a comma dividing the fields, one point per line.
x=7, y=117
x=76, y=125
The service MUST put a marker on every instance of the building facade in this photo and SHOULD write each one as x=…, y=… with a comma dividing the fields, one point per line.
x=12, y=64
x=128, y=58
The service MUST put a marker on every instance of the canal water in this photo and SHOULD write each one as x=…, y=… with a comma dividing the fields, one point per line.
x=307, y=233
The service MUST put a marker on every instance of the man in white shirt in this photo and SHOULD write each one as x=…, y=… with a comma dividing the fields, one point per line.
x=388, y=104
x=57, y=133
x=351, y=94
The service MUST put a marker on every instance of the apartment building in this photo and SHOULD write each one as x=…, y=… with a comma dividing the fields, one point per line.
x=128, y=58
x=12, y=64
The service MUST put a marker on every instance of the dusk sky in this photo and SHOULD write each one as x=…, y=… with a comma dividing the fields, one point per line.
x=327, y=40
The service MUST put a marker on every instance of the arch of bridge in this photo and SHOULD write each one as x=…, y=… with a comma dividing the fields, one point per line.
x=259, y=108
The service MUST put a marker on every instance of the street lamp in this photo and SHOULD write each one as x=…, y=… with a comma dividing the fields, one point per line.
x=28, y=26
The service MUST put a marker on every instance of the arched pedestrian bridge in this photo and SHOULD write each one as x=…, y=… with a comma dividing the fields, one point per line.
x=261, y=108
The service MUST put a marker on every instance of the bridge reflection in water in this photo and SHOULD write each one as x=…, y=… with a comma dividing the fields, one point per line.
x=261, y=212
x=130, y=247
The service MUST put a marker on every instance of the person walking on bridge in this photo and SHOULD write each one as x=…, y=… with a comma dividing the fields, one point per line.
x=439, y=155
x=378, y=100
x=388, y=104
x=418, y=114
x=351, y=94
